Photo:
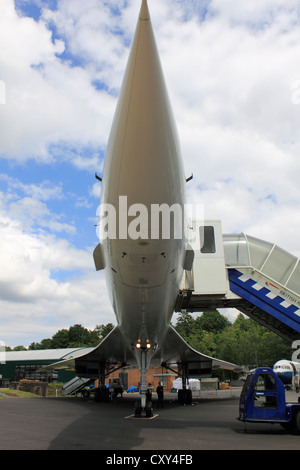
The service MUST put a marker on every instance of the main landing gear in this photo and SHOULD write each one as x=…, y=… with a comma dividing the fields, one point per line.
x=185, y=394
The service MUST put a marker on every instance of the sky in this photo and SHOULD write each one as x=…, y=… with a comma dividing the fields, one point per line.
x=232, y=69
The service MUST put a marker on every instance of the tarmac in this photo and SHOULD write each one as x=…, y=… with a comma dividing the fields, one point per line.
x=71, y=423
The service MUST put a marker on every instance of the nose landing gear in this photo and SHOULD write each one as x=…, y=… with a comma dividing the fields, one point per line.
x=143, y=407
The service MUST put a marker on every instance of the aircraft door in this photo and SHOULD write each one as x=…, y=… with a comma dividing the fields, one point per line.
x=264, y=396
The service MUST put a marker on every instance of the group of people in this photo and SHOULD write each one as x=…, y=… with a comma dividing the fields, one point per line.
x=160, y=394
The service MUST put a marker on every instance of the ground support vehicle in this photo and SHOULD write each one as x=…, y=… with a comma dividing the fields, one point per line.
x=115, y=387
x=263, y=400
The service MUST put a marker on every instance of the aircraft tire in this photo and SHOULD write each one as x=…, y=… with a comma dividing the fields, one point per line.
x=149, y=409
x=181, y=396
x=137, y=408
x=188, y=397
x=101, y=394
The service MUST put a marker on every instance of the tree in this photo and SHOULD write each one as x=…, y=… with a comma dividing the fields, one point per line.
x=185, y=324
x=60, y=339
x=75, y=337
x=212, y=321
x=204, y=342
x=44, y=344
x=244, y=342
x=103, y=330
x=251, y=344
x=78, y=336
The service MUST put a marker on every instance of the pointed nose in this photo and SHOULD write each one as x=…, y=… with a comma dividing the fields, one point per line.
x=144, y=13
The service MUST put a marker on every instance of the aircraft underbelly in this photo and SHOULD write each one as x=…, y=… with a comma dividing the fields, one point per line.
x=150, y=308
x=144, y=285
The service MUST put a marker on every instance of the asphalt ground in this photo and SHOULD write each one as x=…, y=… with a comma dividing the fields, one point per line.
x=72, y=423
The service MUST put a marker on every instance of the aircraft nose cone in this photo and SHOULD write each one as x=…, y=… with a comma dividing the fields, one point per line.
x=144, y=13
x=281, y=377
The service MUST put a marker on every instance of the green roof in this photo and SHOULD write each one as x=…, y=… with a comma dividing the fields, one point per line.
x=45, y=354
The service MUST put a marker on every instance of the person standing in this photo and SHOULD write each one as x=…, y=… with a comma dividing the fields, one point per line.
x=160, y=395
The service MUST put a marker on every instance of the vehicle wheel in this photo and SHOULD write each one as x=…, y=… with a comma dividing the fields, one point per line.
x=294, y=424
x=137, y=408
x=297, y=421
x=284, y=425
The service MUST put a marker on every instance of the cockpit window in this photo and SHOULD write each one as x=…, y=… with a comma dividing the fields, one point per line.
x=207, y=239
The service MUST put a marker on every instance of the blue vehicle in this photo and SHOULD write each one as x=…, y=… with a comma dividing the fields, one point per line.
x=262, y=400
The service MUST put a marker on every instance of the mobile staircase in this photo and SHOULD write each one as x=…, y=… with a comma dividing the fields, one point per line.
x=239, y=271
x=76, y=385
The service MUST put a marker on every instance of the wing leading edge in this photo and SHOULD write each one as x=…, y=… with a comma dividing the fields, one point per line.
x=90, y=362
x=112, y=352
x=177, y=351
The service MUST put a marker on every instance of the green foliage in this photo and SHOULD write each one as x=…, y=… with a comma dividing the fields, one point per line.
x=19, y=348
x=245, y=342
x=75, y=337
x=212, y=321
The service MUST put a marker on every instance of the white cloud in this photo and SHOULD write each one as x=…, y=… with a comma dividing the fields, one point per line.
x=45, y=282
x=32, y=294
x=48, y=102
x=41, y=191
x=31, y=211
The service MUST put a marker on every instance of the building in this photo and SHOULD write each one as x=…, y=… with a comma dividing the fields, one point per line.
x=129, y=377
x=26, y=365
x=20, y=365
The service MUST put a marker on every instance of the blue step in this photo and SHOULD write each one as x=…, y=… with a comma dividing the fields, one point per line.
x=279, y=307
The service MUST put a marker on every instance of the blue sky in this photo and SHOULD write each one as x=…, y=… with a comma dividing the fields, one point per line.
x=233, y=73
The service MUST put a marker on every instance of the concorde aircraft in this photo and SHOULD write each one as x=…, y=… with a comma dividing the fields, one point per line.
x=143, y=261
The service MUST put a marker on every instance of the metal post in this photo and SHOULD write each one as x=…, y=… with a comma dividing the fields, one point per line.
x=143, y=379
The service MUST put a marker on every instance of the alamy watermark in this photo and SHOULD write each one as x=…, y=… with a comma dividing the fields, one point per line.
x=296, y=354
x=137, y=221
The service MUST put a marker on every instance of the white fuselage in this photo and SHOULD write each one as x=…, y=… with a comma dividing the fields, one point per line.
x=143, y=165
x=287, y=370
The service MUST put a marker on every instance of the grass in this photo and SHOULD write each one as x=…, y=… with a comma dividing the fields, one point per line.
x=54, y=388
x=8, y=393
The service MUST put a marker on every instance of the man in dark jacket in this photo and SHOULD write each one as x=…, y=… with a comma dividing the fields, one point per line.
x=160, y=395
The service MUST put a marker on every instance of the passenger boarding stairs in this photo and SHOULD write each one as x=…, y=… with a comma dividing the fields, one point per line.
x=75, y=385
x=239, y=271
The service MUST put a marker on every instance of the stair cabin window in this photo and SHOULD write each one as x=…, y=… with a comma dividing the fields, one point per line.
x=207, y=239
x=265, y=392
